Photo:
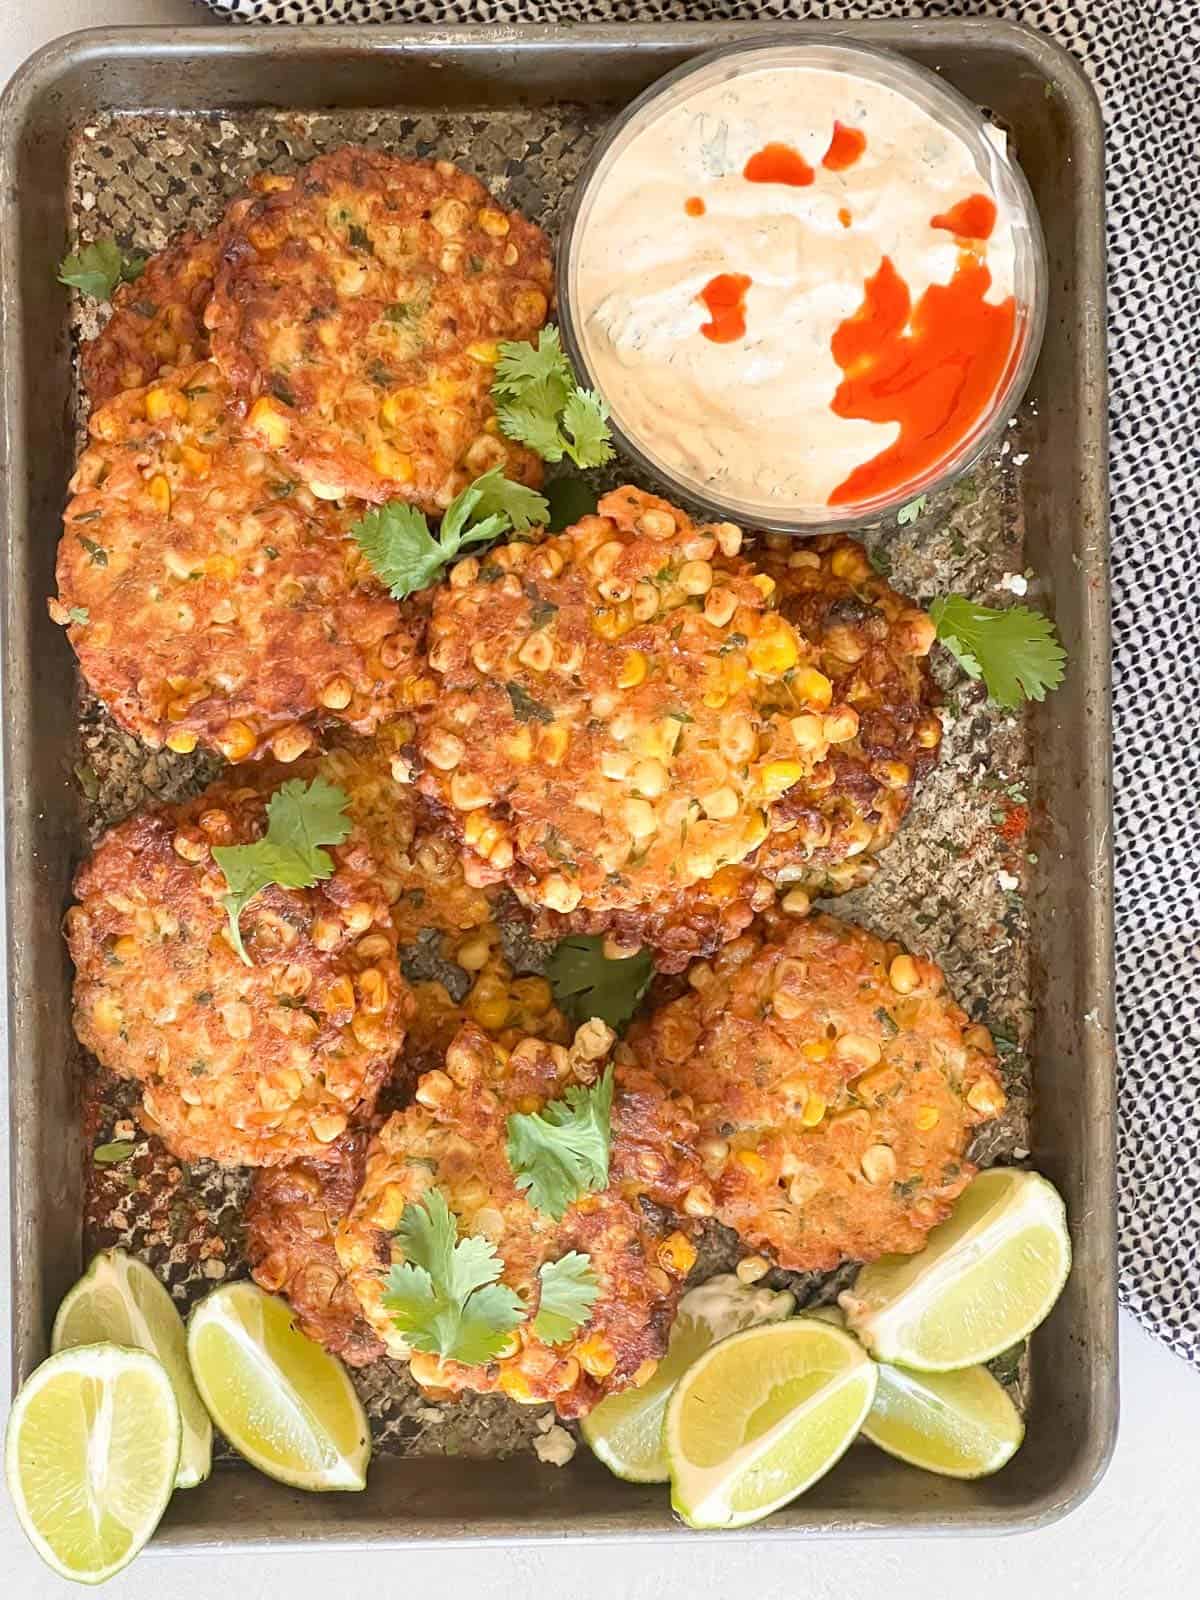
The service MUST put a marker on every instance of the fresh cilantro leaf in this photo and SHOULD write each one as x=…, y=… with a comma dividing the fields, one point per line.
x=569, y=1289
x=98, y=268
x=531, y=426
x=587, y=983
x=1015, y=651
x=500, y=496
x=405, y=556
x=912, y=510
x=539, y=403
x=561, y=1151
x=300, y=819
x=585, y=419
x=107, y=1155
x=522, y=366
x=570, y=500
x=444, y=1298
x=525, y=708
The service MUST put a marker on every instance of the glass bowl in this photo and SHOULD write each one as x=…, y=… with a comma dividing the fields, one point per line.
x=1000, y=176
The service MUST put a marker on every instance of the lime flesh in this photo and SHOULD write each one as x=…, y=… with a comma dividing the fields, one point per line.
x=283, y=1402
x=626, y=1430
x=987, y=1277
x=91, y=1453
x=959, y=1424
x=761, y=1416
x=119, y=1300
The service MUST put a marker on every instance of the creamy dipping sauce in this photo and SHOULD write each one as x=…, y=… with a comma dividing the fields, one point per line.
x=795, y=288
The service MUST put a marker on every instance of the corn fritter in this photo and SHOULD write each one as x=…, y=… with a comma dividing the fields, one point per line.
x=249, y=1065
x=631, y=722
x=356, y=313
x=211, y=599
x=453, y=1138
x=835, y=1083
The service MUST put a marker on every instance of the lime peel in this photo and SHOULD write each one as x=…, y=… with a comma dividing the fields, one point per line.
x=91, y=1453
x=120, y=1300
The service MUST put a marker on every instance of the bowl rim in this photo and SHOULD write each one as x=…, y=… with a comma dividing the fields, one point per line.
x=800, y=521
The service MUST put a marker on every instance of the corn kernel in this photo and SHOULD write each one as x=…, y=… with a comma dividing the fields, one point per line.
x=328, y=1126
x=236, y=741
x=750, y=1161
x=650, y=778
x=809, y=732
x=878, y=1164
x=719, y=606
x=552, y=744
x=813, y=687
x=337, y=694
x=612, y=622
x=840, y=725
x=596, y=1356
x=721, y=804
x=927, y=1117
x=796, y=903
x=182, y=740
x=779, y=776
x=656, y=524
x=160, y=494
x=633, y=670
x=850, y=561
x=485, y=351
x=698, y=1202
x=125, y=949
x=493, y=222
x=695, y=577
x=268, y=422
x=751, y=1268
x=903, y=975
x=986, y=1097
x=774, y=652
x=196, y=461
x=764, y=585
x=529, y=308
x=677, y=1255
x=859, y=1050
x=392, y=463
x=814, y=1110
x=558, y=894
x=164, y=403
x=289, y=744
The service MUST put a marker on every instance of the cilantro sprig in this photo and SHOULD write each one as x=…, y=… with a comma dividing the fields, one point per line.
x=301, y=817
x=561, y=1151
x=98, y=268
x=406, y=556
x=539, y=403
x=1016, y=651
x=569, y=1289
x=587, y=983
x=444, y=1297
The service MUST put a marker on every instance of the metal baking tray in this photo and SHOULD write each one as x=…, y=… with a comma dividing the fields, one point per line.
x=214, y=101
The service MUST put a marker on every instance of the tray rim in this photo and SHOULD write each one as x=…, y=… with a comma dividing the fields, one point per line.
x=38, y=75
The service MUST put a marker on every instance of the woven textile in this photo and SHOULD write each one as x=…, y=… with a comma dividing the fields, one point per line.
x=1145, y=61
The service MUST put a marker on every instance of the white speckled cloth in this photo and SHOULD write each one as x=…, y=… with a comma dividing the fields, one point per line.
x=1145, y=60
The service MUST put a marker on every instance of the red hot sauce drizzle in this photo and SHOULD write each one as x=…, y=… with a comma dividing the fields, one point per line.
x=845, y=148
x=934, y=371
x=724, y=298
x=778, y=163
x=972, y=218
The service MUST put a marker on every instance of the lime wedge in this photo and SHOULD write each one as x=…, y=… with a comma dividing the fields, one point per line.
x=961, y=1424
x=284, y=1404
x=761, y=1416
x=119, y=1300
x=986, y=1278
x=90, y=1454
x=626, y=1430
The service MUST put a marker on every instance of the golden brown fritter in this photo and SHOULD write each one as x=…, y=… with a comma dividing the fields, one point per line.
x=293, y=1209
x=157, y=323
x=882, y=734
x=210, y=598
x=836, y=1085
x=356, y=313
x=415, y=860
x=629, y=719
x=453, y=1138
x=242, y=1064
x=289, y=1218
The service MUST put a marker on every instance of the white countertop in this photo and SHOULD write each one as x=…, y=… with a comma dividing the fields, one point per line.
x=1136, y=1535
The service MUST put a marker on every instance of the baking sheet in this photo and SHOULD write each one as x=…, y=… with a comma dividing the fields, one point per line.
x=978, y=845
